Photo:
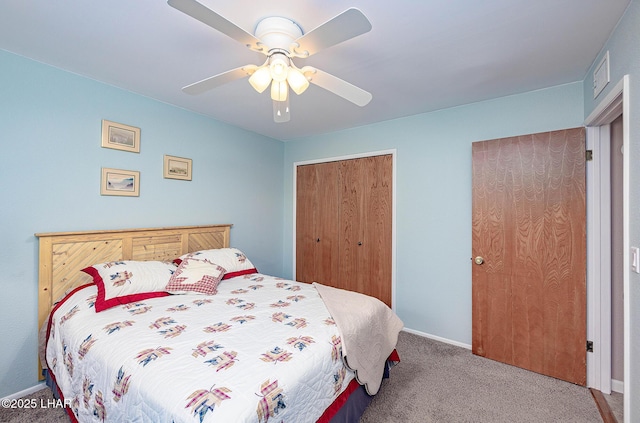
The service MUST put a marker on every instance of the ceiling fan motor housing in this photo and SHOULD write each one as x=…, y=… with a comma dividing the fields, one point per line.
x=277, y=33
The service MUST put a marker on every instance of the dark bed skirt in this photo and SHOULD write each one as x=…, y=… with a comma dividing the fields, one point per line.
x=351, y=403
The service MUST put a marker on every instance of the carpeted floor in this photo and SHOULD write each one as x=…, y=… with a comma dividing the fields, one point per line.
x=437, y=382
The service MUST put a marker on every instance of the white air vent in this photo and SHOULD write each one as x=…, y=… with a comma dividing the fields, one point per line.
x=601, y=75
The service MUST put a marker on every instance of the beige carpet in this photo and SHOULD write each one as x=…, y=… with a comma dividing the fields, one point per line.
x=437, y=382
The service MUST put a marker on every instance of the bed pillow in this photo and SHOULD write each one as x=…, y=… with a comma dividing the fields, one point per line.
x=232, y=260
x=124, y=282
x=195, y=275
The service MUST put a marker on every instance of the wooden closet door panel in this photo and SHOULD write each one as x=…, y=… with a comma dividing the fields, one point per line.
x=365, y=224
x=351, y=225
x=317, y=223
x=306, y=183
x=375, y=260
x=327, y=256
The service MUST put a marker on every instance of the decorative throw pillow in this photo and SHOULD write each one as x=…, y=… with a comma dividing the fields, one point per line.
x=123, y=282
x=232, y=260
x=196, y=276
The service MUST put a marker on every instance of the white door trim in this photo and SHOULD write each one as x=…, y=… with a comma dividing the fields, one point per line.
x=393, y=153
x=609, y=108
x=599, y=268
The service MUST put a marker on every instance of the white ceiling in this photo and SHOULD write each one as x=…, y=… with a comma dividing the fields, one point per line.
x=420, y=56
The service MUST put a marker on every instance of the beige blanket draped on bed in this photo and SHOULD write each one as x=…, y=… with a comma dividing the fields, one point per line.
x=369, y=332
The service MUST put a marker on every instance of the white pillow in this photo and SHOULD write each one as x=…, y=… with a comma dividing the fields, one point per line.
x=123, y=282
x=232, y=260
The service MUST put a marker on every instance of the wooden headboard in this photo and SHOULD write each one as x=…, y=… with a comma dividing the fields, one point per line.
x=64, y=254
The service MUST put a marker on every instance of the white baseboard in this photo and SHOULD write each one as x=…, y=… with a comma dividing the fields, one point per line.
x=26, y=392
x=617, y=386
x=437, y=338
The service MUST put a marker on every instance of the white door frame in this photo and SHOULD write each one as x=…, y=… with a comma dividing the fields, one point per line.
x=599, y=239
x=393, y=153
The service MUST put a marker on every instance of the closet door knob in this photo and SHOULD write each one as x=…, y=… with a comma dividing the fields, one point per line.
x=360, y=243
x=318, y=240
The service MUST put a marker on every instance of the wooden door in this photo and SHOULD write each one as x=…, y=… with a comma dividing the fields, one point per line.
x=366, y=226
x=317, y=223
x=529, y=226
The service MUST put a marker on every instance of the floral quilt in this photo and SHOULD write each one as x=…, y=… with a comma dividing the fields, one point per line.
x=262, y=349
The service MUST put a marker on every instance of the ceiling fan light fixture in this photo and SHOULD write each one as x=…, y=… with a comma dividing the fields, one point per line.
x=279, y=90
x=297, y=81
x=260, y=79
x=281, y=39
x=279, y=66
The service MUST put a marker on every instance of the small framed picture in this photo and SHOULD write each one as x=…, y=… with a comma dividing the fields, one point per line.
x=177, y=168
x=120, y=137
x=120, y=182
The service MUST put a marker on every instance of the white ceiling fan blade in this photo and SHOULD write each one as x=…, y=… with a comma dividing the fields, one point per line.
x=215, y=21
x=348, y=24
x=337, y=86
x=217, y=80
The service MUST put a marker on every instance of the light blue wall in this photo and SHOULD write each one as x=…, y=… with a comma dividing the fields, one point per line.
x=50, y=128
x=433, y=194
x=49, y=181
x=624, y=59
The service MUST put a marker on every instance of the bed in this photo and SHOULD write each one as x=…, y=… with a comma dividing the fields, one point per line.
x=172, y=324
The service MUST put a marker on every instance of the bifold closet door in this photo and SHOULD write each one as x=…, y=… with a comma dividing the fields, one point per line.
x=366, y=226
x=317, y=203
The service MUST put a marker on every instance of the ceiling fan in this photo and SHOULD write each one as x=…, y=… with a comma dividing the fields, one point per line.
x=281, y=40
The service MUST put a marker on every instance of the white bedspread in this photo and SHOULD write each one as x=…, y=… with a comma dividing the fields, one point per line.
x=262, y=349
x=369, y=331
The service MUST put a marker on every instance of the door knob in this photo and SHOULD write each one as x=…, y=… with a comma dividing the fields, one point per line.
x=478, y=260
